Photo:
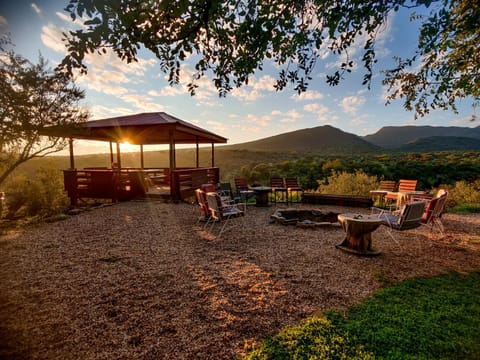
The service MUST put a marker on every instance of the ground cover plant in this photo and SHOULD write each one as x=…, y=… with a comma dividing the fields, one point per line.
x=436, y=318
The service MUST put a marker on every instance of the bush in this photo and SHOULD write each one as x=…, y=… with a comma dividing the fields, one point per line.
x=40, y=195
x=357, y=183
x=316, y=338
x=464, y=193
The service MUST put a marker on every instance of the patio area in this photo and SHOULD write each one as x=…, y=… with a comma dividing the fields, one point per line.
x=143, y=280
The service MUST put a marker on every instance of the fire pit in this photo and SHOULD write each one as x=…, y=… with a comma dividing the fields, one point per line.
x=305, y=217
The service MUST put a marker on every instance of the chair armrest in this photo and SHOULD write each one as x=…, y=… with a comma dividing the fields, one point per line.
x=376, y=210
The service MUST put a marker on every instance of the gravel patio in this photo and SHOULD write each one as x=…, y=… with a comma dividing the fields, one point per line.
x=142, y=280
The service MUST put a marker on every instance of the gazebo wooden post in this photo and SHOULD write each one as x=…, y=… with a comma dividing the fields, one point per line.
x=117, y=172
x=70, y=177
x=111, y=153
x=174, y=187
x=197, y=158
x=213, y=155
x=72, y=158
x=141, y=157
x=172, y=151
x=119, y=159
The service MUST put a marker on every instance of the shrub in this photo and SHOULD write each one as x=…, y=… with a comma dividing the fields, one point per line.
x=357, y=183
x=40, y=195
x=316, y=338
x=464, y=193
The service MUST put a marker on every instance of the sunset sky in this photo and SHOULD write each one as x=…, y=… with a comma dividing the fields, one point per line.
x=252, y=112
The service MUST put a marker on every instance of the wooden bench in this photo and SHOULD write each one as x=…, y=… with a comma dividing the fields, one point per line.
x=337, y=199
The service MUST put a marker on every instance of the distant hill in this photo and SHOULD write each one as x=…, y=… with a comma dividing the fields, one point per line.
x=326, y=139
x=441, y=143
x=394, y=137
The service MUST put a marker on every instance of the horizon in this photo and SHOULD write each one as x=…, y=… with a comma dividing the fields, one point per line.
x=130, y=148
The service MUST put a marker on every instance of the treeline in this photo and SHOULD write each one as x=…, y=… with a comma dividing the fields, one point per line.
x=430, y=169
x=36, y=188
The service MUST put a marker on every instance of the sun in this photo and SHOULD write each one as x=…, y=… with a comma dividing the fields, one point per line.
x=127, y=147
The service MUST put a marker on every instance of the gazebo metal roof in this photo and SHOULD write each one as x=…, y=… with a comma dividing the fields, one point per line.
x=140, y=129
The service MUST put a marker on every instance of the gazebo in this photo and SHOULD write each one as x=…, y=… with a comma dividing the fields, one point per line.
x=121, y=183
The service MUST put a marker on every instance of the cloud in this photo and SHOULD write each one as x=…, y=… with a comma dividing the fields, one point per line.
x=294, y=114
x=101, y=112
x=169, y=91
x=255, y=88
x=142, y=102
x=316, y=108
x=104, y=81
x=290, y=117
x=262, y=121
x=3, y=22
x=466, y=121
x=52, y=38
x=266, y=83
x=217, y=126
x=36, y=8
x=351, y=104
x=111, y=61
x=383, y=36
x=100, y=86
x=243, y=93
x=308, y=95
x=360, y=120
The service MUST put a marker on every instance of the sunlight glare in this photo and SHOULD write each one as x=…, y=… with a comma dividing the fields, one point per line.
x=127, y=147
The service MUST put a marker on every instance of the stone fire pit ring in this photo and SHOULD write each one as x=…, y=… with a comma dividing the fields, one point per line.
x=304, y=217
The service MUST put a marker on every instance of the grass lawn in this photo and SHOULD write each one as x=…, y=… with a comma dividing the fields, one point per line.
x=436, y=318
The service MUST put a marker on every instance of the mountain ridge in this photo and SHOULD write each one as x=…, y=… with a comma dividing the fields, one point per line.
x=319, y=138
x=329, y=139
x=392, y=137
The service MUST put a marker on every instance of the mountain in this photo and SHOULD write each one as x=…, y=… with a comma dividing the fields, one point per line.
x=321, y=138
x=393, y=137
x=441, y=143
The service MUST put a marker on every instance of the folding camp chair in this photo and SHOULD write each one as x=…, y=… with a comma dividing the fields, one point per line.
x=407, y=218
x=243, y=190
x=223, y=213
x=278, y=186
x=293, y=187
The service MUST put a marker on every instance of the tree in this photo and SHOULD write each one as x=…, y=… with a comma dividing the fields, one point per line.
x=32, y=97
x=232, y=39
x=448, y=60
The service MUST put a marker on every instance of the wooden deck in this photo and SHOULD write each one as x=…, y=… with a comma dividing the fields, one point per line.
x=129, y=183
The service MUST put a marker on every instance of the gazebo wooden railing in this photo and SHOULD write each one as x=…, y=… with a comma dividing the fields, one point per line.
x=130, y=183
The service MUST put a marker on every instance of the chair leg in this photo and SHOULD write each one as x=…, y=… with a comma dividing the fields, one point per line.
x=224, y=226
x=207, y=221
x=438, y=223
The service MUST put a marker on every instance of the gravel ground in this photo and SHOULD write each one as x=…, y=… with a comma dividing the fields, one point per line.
x=143, y=280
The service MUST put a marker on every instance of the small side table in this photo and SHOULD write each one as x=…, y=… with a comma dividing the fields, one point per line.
x=358, y=233
x=261, y=194
x=380, y=195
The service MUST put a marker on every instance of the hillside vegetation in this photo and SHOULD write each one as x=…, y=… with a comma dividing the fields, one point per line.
x=316, y=166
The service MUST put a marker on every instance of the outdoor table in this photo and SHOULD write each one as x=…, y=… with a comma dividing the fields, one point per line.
x=380, y=194
x=405, y=196
x=261, y=194
x=358, y=233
